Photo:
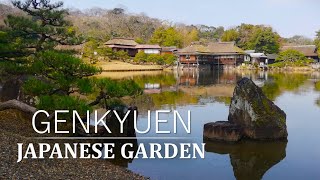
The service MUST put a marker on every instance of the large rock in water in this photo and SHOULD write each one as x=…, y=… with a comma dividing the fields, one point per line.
x=259, y=116
x=251, y=112
x=222, y=131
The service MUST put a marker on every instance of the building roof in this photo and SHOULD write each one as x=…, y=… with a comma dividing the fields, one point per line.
x=307, y=50
x=148, y=46
x=169, y=49
x=272, y=56
x=224, y=47
x=193, y=49
x=258, y=55
x=249, y=51
x=212, y=48
x=121, y=41
x=78, y=47
x=121, y=46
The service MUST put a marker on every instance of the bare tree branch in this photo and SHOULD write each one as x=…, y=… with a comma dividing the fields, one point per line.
x=15, y=104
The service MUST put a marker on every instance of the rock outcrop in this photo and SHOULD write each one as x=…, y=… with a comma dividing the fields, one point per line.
x=251, y=115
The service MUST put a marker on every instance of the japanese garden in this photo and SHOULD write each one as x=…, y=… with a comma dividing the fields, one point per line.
x=128, y=84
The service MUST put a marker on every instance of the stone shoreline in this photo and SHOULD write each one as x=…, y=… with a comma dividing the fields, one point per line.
x=49, y=168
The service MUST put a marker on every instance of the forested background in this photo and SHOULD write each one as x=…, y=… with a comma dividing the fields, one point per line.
x=100, y=25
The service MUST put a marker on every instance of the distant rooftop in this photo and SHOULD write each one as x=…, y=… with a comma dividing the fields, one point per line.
x=193, y=49
x=148, y=46
x=258, y=55
x=272, y=56
x=169, y=49
x=78, y=47
x=212, y=48
x=121, y=41
x=224, y=47
x=249, y=51
x=307, y=50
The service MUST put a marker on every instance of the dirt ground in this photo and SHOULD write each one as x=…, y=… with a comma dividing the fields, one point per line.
x=123, y=66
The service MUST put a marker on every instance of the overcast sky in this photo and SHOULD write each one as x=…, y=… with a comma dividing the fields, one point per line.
x=288, y=17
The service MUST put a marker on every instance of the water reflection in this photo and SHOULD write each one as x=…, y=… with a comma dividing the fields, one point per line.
x=317, y=88
x=118, y=139
x=129, y=132
x=250, y=159
x=118, y=143
x=207, y=94
x=195, y=77
x=196, y=86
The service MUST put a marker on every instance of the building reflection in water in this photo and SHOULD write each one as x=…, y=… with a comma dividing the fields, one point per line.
x=205, y=77
x=117, y=138
x=119, y=160
x=197, y=77
x=129, y=135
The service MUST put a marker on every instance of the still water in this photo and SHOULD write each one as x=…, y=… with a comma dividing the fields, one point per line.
x=207, y=94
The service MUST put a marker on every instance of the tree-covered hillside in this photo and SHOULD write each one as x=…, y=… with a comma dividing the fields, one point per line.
x=100, y=25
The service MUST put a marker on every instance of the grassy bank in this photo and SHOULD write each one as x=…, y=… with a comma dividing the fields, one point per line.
x=293, y=68
x=280, y=67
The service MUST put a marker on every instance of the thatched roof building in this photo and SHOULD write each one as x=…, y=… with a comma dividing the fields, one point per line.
x=224, y=48
x=131, y=47
x=148, y=46
x=121, y=42
x=77, y=48
x=193, y=49
x=221, y=53
x=169, y=50
x=217, y=48
x=310, y=51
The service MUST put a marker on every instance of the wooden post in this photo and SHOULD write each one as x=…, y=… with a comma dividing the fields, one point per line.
x=218, y=76
x=197, y=58
x=218, y=63
x=197, y=73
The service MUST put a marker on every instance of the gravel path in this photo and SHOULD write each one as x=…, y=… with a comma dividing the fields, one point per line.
x=49, y=168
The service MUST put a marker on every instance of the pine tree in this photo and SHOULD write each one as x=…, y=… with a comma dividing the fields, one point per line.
x=29, y=43
x=44, y=26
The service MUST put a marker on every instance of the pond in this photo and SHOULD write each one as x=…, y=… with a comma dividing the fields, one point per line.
x=207, y=94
